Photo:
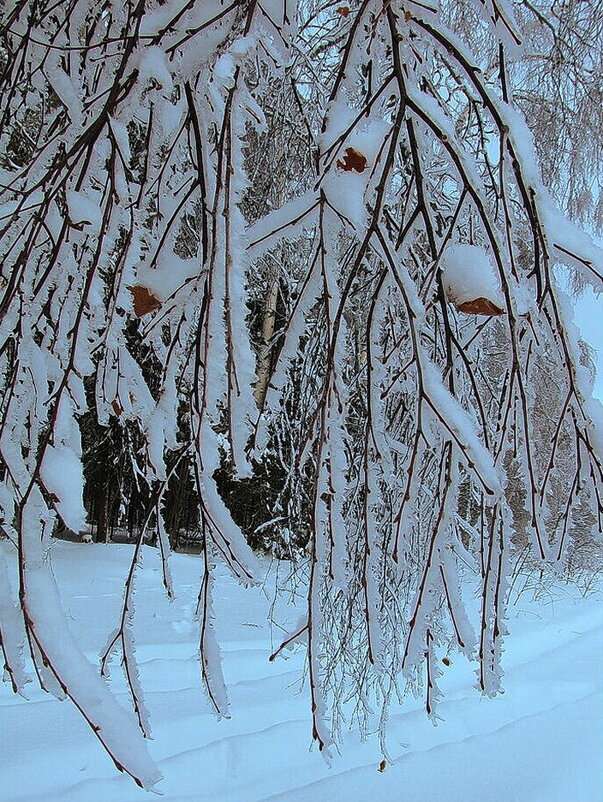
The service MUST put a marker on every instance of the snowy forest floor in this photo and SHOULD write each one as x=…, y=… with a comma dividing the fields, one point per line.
x=541, y=741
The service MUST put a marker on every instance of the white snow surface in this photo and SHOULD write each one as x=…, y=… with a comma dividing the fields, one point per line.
x=541, y=741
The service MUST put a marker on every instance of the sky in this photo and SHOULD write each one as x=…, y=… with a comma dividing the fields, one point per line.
x=589, y=318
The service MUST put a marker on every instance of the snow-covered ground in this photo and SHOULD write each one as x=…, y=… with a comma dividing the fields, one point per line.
x=542, y=741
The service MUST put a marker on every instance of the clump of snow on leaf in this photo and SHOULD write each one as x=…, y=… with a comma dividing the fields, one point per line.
x=83, y=210
x=168, y=276
x=468, y=273
x=344, y=189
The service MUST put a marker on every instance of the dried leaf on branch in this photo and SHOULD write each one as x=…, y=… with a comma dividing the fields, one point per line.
x=143, y=300
x=480, y=306
x=352, y=160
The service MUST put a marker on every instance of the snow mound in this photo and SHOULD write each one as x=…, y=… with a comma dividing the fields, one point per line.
x=541, y=740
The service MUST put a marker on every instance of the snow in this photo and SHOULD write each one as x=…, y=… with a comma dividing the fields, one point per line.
x=83, y=210
x=62, y=476
x=152, y=64
x=13, y=633
x=286, y=222
x=453, y=418
x=541, y=740
x=168, y=275
x=468, y=273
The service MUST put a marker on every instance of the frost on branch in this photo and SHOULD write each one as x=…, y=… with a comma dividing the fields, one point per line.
x=309, y=244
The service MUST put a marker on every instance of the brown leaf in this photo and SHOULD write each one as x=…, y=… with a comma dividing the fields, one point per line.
x=480, y=306
x=144, y=301
x=446, y=660
x=116, y=407
x=382, y=766
x=353, y=160
x=343, y=10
